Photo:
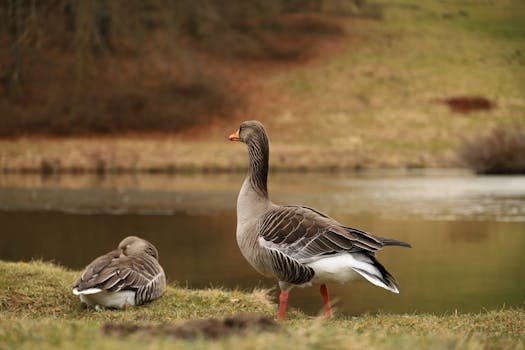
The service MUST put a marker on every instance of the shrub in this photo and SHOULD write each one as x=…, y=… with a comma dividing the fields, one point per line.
x=501, y=151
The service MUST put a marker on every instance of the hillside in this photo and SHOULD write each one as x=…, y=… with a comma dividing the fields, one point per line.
x=404, y=86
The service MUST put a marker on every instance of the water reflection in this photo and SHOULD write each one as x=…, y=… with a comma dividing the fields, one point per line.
x=462, y=259
x=431, y=195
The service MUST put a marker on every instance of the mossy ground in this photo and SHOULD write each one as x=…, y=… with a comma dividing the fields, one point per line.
x=38, y=310
x=36, y=289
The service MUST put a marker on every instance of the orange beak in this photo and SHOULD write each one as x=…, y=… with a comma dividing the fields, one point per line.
x=235, y=136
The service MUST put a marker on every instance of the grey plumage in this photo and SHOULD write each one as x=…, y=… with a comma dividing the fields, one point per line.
x=133, y=267
x=294, y=243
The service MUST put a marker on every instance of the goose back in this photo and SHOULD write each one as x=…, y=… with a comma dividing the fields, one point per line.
x=115, y=272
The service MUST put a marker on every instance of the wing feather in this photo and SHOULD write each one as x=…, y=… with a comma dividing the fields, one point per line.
x=303, y=233
x=115, y=273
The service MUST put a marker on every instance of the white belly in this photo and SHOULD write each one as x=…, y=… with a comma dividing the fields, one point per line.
x=117, y=300
x=337, y=268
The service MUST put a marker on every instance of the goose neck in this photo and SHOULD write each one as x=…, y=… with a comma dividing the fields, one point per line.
x=258, y=153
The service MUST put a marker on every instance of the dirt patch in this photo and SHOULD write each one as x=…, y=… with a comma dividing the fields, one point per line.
x=209, y=328
x=467, y=104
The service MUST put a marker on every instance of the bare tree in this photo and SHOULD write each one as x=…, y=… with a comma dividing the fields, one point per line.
x=14, y=23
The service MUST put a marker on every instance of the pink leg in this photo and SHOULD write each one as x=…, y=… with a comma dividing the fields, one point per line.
x=283, y=300
x=324, y=292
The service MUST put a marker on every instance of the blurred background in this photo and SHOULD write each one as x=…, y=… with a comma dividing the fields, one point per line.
x=402, y=118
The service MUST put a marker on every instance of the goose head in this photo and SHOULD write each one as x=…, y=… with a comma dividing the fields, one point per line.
x=133, y=245
x=250, y=132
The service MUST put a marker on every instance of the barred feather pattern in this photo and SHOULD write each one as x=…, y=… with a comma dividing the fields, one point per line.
x=258, y=151
x=289, y=270
x=304, y=233
x=114, y=272
x=155, y=286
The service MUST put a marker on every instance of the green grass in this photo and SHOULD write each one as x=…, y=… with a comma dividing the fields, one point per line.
x=37, y=310
x=45, y=289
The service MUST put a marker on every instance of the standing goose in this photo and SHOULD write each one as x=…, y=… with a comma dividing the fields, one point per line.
x=129, y=275
x=296, y=244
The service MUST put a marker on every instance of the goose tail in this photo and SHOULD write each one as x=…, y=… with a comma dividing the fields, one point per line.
x=375, y=273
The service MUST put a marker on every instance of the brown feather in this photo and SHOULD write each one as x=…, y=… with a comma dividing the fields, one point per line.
x=303, y=233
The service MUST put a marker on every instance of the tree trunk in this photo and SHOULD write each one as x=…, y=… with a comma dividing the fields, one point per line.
x=14, y=9
x=83, y=30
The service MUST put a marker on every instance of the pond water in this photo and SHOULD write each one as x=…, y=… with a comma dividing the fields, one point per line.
x=467, y=231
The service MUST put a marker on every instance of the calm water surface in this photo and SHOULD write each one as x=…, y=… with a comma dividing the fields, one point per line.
x=467, y=232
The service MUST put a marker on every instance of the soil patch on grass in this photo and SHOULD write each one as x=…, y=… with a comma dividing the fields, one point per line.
x=467, y=104
x=211, y=328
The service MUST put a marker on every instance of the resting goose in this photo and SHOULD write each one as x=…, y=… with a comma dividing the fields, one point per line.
x=129, y=275
x=299, y=245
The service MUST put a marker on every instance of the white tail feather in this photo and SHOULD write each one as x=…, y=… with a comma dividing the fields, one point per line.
x=86, y=291
x=376, y=279
x=345, y=267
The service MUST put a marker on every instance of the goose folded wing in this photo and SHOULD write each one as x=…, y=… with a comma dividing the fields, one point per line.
x=122, y=273
x=94, y=269
x=304, y=233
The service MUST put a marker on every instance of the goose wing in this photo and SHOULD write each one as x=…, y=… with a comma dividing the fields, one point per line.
x=114, y=272
x=302, y=233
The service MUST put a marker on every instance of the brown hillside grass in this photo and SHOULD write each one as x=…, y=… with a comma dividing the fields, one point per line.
x=157, y=66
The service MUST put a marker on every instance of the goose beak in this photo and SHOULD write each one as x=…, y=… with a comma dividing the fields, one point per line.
x=235, y=136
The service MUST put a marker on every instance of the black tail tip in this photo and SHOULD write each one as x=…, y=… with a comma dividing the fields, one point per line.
x=395, y=242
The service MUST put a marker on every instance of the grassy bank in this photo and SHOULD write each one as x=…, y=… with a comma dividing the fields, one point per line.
x=390, y=92
x=38, y=311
